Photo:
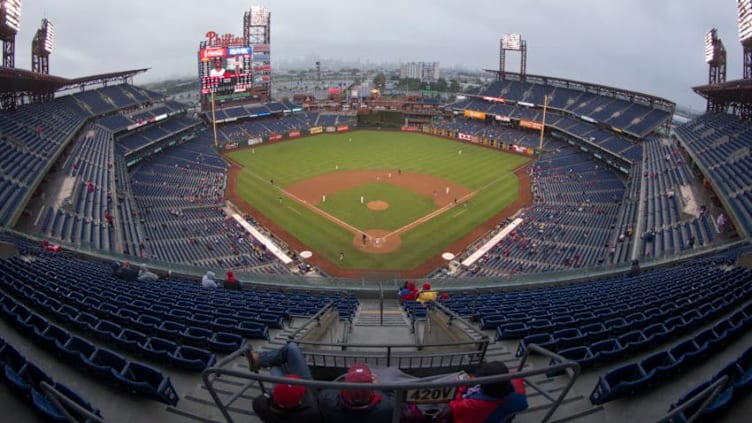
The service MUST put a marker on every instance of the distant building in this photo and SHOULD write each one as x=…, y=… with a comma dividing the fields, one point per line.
x=425, y=71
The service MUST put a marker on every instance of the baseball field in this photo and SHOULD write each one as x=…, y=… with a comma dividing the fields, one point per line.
x=373, y=200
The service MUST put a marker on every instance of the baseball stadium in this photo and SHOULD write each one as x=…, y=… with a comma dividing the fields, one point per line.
x=535, y=249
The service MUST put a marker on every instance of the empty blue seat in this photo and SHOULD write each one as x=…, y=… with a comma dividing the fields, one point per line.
x=543, y=340
x=28, y=377
x=745, y=365
x=197, y=337
x=725, y=398
x=124, y=316
x=170, y=330
x=148, y=381
x=655, y=333
x=594, y=332
x=158, y=349
x=253, y=330
x=146, y=323
x=34, y=326
x=130, y=340
x=85, y=322
x=686, y=352
x=632, y=341
x=566, y=338
x=492, y=321
x=191, y=358
x=107, y=331
x=225, y=342
x=200, y=320
x=104, y=364
x=619, y=382
x=77, y=349
x=277, y=321
x=659, y=364
x=55, y=337
x=179, y=315
x=512, y=330
x=581, y=354
x=606, y=350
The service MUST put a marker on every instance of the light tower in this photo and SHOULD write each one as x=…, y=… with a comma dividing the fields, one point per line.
x=41, y=48
x=10, y=23
x=715, y=57
x=513, y=42
x=745, y=34
x=257, y=34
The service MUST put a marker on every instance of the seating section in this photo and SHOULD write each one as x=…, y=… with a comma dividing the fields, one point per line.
x=81, y=219
x=570, y=225
x=153, y=133
x=107, y=366
x=736, y=389
x=637, y=377
x=24, y=378
x=720, y=144
x=667, y=180
x=635, y=118
x=265, y=125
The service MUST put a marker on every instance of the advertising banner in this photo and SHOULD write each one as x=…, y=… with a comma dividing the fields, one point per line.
x=330, y=129
x=472, y=114
x=342, y=128
x=406, y=128
x=294, y=134
x=254, y=141
x=466, y=137
x=316, y=130
x=275, y=137
x=530, y=124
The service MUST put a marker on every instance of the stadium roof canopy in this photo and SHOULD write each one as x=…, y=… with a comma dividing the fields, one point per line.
x=739, y=91
x=21, y=80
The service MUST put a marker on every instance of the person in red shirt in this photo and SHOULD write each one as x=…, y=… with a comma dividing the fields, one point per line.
x=231, y=282
x=493, y=402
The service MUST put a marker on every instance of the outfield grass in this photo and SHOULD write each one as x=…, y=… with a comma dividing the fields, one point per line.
x=405, y=206
x=487, y=172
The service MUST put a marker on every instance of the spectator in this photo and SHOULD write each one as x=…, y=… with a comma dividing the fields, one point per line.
x=427, y=294
x=144, y=275
x=287, y=403
x=361, y=405
x=408, y=291
x=47, y=246
x=496, y=402
x=124, y=271
x=231, y=282
x=208, y=280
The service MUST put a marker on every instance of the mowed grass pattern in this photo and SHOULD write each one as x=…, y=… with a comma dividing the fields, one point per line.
x=479, y=169
x=404, y=206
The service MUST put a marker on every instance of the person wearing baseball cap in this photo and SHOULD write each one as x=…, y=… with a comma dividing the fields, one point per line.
x=287, y=402
x=364, y=405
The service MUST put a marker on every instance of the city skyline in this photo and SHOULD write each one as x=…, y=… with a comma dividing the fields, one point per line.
x=655, y=48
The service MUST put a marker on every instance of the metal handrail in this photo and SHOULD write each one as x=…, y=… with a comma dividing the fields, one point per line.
x=572, y=369
x=56, y=398
x=315, y=318
x=706, y=396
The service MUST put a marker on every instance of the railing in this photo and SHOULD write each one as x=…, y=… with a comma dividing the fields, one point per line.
x=57, y=398
x=571, y=368
x=706, y=396
x=315, y=319
x=363, y=287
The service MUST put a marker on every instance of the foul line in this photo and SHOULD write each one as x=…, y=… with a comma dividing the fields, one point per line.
x=405, y=228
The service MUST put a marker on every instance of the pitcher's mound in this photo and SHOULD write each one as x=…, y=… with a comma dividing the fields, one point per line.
x=376, y=242
x=378, y=205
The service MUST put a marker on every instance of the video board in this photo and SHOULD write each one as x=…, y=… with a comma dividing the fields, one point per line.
x=226, y=70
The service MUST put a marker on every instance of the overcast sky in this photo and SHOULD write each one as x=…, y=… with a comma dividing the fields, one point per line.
x=652, y=46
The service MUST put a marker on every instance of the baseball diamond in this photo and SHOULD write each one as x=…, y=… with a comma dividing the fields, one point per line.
x=412, y=196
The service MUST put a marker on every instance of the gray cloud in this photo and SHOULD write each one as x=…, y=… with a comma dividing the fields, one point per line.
x=643, y=45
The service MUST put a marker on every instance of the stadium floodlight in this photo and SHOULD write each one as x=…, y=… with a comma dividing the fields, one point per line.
x=710, y=38
x=513, y=41
x=745, y=19
x=10, y=14
x=49, y=35
x=259, y=15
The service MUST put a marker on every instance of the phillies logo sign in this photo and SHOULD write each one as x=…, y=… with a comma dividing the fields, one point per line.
x=215, y=40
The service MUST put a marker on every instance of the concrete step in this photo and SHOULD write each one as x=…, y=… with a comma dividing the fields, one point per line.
x=199, y=406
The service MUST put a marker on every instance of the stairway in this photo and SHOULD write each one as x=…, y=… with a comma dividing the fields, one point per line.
x=370, y=315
